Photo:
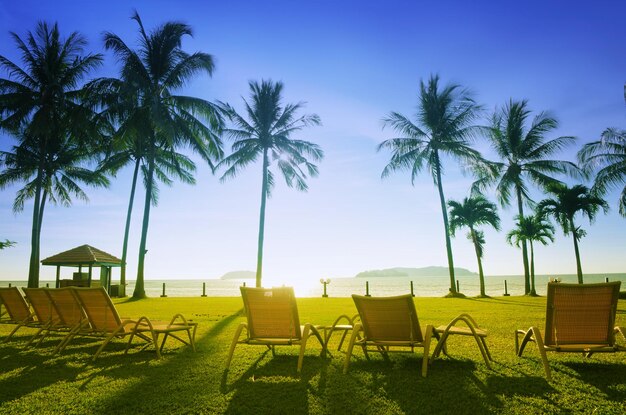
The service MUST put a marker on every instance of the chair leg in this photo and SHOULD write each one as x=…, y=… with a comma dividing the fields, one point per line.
x=234, y=343
x=481, y=347
x=32, y=339
x=519, y=349
x=6, y=339
x=305, y=337
x=441, y=344
x=425, y=358
x=353, y=337
x=542, y=352
x=155, y=341
x=486, y=348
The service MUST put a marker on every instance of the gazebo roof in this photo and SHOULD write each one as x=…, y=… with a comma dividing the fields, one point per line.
x=83, y=255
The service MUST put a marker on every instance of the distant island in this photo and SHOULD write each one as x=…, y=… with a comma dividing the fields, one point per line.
x=239, y=275
x=414, y=272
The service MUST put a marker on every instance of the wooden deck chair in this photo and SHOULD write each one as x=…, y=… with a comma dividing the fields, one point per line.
x=579, y=318
x=272, y=320
x=45, y=311
x=17, y=310
x=388, y=322
x=70, y=312
x=104, y=321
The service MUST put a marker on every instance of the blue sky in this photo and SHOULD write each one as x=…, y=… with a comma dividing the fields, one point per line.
x=352, y=62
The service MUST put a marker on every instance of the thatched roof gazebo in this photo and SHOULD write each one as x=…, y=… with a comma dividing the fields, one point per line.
x=83, y=256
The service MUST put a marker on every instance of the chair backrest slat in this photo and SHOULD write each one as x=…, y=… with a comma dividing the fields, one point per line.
x=100, y=310
x=66, y=305
x=15, y=304
x=271, y=312
x=581, y=313
x=42, y=305
x=389, y=318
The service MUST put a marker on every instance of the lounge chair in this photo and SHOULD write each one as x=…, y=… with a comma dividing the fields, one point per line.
x=388, y=322
x=579, y=318
x=104, y=321
x=272, y=320
x=17, y=310
x=46, y=313
x=70, y=314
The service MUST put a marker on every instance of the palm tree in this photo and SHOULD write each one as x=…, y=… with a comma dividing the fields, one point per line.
x=266, y=134
x=470, y=213
x=609, y=155
x=531, y=229
x=6, y=244
x=166, y=163
x=149, y=111
x=40, y=105
x=444, y=127
x=567, y=203
x=524, y=153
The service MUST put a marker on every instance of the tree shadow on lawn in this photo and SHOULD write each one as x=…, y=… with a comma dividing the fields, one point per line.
x=37, y=368
x=185, y=382
x=115, y=383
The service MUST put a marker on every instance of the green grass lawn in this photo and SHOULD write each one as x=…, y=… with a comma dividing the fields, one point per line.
x=35, y=381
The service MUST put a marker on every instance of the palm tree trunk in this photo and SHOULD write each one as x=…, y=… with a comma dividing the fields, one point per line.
x=579, y=270
x=127, y=227
x=446, y=226
x=533, y=292
x=259, y=258
x=481, y=275
x=33, y=269
x=140, y=291
x=520, y=208
x=42, y=205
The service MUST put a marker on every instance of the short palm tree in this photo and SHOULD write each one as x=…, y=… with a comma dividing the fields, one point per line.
x=470, y=213
x=266, y=134
x=149, y=112
x=531, y=229
x=609, y=156
x=525, y=156
x=569, y=201
x=40, y=106
x=444, y=127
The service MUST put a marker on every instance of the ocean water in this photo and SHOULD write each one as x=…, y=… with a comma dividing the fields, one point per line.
x=436, y=286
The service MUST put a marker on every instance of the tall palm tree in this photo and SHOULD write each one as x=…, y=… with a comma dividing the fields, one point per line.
x=470, y=213
x=568, y=201
x=166, y=164
x=533, y=228
x=148, y=109
x=266, y=134
x=609, y=156
x=525, y=156
x=444, y=126
x=40, y=105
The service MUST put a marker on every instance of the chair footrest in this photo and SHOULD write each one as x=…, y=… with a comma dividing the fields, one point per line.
x=463, y=331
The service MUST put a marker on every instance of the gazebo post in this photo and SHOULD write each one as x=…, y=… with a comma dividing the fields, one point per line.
x=109, y=278
x=89, y=278
x=58, y=283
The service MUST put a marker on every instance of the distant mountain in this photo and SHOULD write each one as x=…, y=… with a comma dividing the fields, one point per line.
x=414, y=272
x=239, y=275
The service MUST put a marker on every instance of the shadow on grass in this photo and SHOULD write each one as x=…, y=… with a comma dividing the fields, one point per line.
x=605, y=376
x=26, y=370
x=274, y=387
x=115, y=383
